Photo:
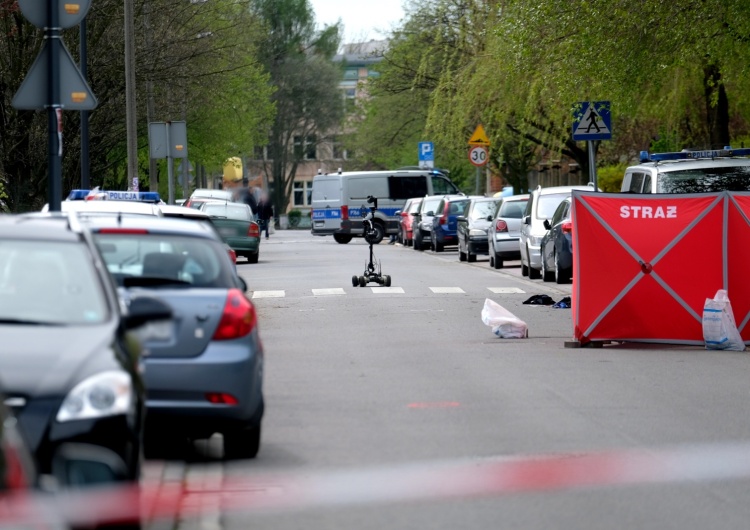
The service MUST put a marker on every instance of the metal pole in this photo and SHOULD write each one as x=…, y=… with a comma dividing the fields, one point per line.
x=131, y=120
x=185, y=178
x=478, y=177
x=170, y=177
x=592, y=164
x=85, y=168
x=54, y=111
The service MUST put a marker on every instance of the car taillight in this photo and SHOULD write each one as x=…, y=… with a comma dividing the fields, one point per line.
x=444, y=217
x=123, y=231
x=253, y=230
x=501, y=226
x=232, y=255
x=15, y=476
x=567, y=227
x=238, y=318
x=344, y=212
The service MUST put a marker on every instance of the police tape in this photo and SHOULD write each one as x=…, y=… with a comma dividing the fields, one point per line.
x=429, y=481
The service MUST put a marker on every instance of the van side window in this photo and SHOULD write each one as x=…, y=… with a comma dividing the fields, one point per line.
x=636, y=182
x=647, y=184
x=407, y=187
x=441, y=186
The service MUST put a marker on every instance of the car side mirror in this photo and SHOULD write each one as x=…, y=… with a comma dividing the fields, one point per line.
x=461, y=218
x=527, y=220
x=430, y=214
x=398, y=212
x=547, y=224
x=415, y=214
x=489, y=218
x=77, y=465
x=243, y=284
x=146, y=309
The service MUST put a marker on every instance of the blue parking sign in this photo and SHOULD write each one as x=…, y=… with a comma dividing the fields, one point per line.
x=426, y=151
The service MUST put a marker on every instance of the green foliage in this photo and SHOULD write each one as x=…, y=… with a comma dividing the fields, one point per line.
x=609, y=178
x=666, y=142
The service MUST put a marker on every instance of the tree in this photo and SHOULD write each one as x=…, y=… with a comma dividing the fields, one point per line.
x=307, y=99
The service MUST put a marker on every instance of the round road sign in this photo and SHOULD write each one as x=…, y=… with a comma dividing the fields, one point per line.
x=478, y=155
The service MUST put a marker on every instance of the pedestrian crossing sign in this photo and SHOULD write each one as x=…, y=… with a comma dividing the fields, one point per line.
x=592, y=121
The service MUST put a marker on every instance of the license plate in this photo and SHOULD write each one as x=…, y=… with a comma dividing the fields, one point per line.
x=319, y=224
x=162, y=330
x=227, y=231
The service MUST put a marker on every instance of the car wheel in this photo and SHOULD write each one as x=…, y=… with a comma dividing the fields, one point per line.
x=561, y=275
x=437, y=247
x=253, y=258
x=471, y=258
x=342, y=239
x=418, y=240
x=492, y=261
x=524, y=267
x=534, y=274
x=242, y=444
x=498, y=263
x=461, y=255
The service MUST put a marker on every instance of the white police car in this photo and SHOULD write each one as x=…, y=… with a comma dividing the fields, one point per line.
x=97, y=201
x=689, y=172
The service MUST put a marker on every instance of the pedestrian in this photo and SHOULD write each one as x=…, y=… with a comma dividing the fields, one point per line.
x=250, y=200
x=265, y=212
x=393, y=239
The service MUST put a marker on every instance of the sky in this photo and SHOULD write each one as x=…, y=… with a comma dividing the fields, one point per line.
x=363, y=19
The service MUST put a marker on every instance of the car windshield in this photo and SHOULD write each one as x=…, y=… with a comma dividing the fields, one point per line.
x=326, y=189
x=430, y=205
x=482, y=210
x=414, y=208
x=512, y=209
x=49, y=282
x=153, y=260
x=704, y=180
x=548, y=204
x=238, y=212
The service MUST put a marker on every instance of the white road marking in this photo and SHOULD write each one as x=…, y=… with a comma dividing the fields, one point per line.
x=269, y=294
x=328, y=292
x=447, y=290
x=387, y=290
x=506, y=290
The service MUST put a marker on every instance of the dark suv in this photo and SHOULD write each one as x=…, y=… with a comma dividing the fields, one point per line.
x=69, y=368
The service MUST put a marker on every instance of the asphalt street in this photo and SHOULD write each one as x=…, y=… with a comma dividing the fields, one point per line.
x=369, y=377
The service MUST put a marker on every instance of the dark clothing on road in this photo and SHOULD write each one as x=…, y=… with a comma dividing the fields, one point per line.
x=265, y=214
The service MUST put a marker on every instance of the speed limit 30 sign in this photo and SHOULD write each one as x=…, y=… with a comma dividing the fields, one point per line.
x=478, y=155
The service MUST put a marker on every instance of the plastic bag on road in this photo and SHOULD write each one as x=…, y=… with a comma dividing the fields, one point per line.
x=504, y=323
x=719, y=328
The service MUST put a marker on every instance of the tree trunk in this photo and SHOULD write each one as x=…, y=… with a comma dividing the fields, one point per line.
x=717, y=107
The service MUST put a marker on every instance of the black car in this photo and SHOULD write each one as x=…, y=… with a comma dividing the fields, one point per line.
x=557, y=245
x=473, y=226
x=70, y=367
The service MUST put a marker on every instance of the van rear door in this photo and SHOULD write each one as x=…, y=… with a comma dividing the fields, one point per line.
x=326, y=204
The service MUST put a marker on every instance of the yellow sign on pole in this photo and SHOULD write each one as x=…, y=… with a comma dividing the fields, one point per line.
x=479, y=137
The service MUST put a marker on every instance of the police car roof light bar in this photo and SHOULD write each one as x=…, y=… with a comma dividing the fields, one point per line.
x=138, y=196
x=693, y=155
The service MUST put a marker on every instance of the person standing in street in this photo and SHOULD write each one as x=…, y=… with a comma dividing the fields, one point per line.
x=265, y=212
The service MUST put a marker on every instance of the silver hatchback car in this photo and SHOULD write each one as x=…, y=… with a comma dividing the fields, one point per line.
x=204, y=370
x=505, y=230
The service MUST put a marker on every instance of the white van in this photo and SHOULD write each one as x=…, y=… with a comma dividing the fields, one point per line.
x=339, y=199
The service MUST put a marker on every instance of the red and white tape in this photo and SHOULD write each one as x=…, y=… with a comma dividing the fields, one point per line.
x=427, y=481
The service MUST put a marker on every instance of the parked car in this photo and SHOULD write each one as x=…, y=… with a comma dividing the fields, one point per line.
x=445, y=222
x=422, y=224
x=473, y=226
x=505, y=230
x=205, y=375
x=405, y=233
x=541, y=206
x=340, y=199
x=557, y=245
x=202, y=194
x=236, y=224
x=70, y=368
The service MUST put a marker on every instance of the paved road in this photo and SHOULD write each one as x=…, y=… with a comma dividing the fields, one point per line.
x=373, y=378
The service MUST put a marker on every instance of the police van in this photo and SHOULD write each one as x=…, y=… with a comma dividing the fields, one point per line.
x=689, y=172
x=340, y=199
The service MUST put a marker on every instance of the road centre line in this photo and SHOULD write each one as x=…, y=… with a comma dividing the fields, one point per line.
x=269, y=294
x=328, y=292
x=447, y=290
x=387, y=290
x=506, y=290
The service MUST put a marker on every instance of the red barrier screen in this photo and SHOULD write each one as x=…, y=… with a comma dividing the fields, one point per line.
x=644, y=265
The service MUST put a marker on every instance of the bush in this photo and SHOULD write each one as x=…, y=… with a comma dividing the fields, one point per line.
x=294, y=217
x=609, y=178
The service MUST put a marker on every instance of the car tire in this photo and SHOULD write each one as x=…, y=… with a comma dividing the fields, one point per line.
x=492, y=261
x=437, y=247
x=342, y=239
x=498, y=263
x=534, y=274
x=562, y=275
x=242, y=444
x=253, y=258
x=387, y=281
x=418, y=240
x=355, y=281
x=461, y=255
x=471, y=258
x=362, y=281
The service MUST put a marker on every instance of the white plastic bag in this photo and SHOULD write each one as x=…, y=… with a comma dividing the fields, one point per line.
x=719, y=329
x=504, y=323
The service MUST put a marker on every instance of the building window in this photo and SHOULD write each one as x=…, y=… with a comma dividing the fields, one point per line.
x=302, y=193
x=306, y=148
x=351, y=73
x=337, y=150
x=350, y=93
